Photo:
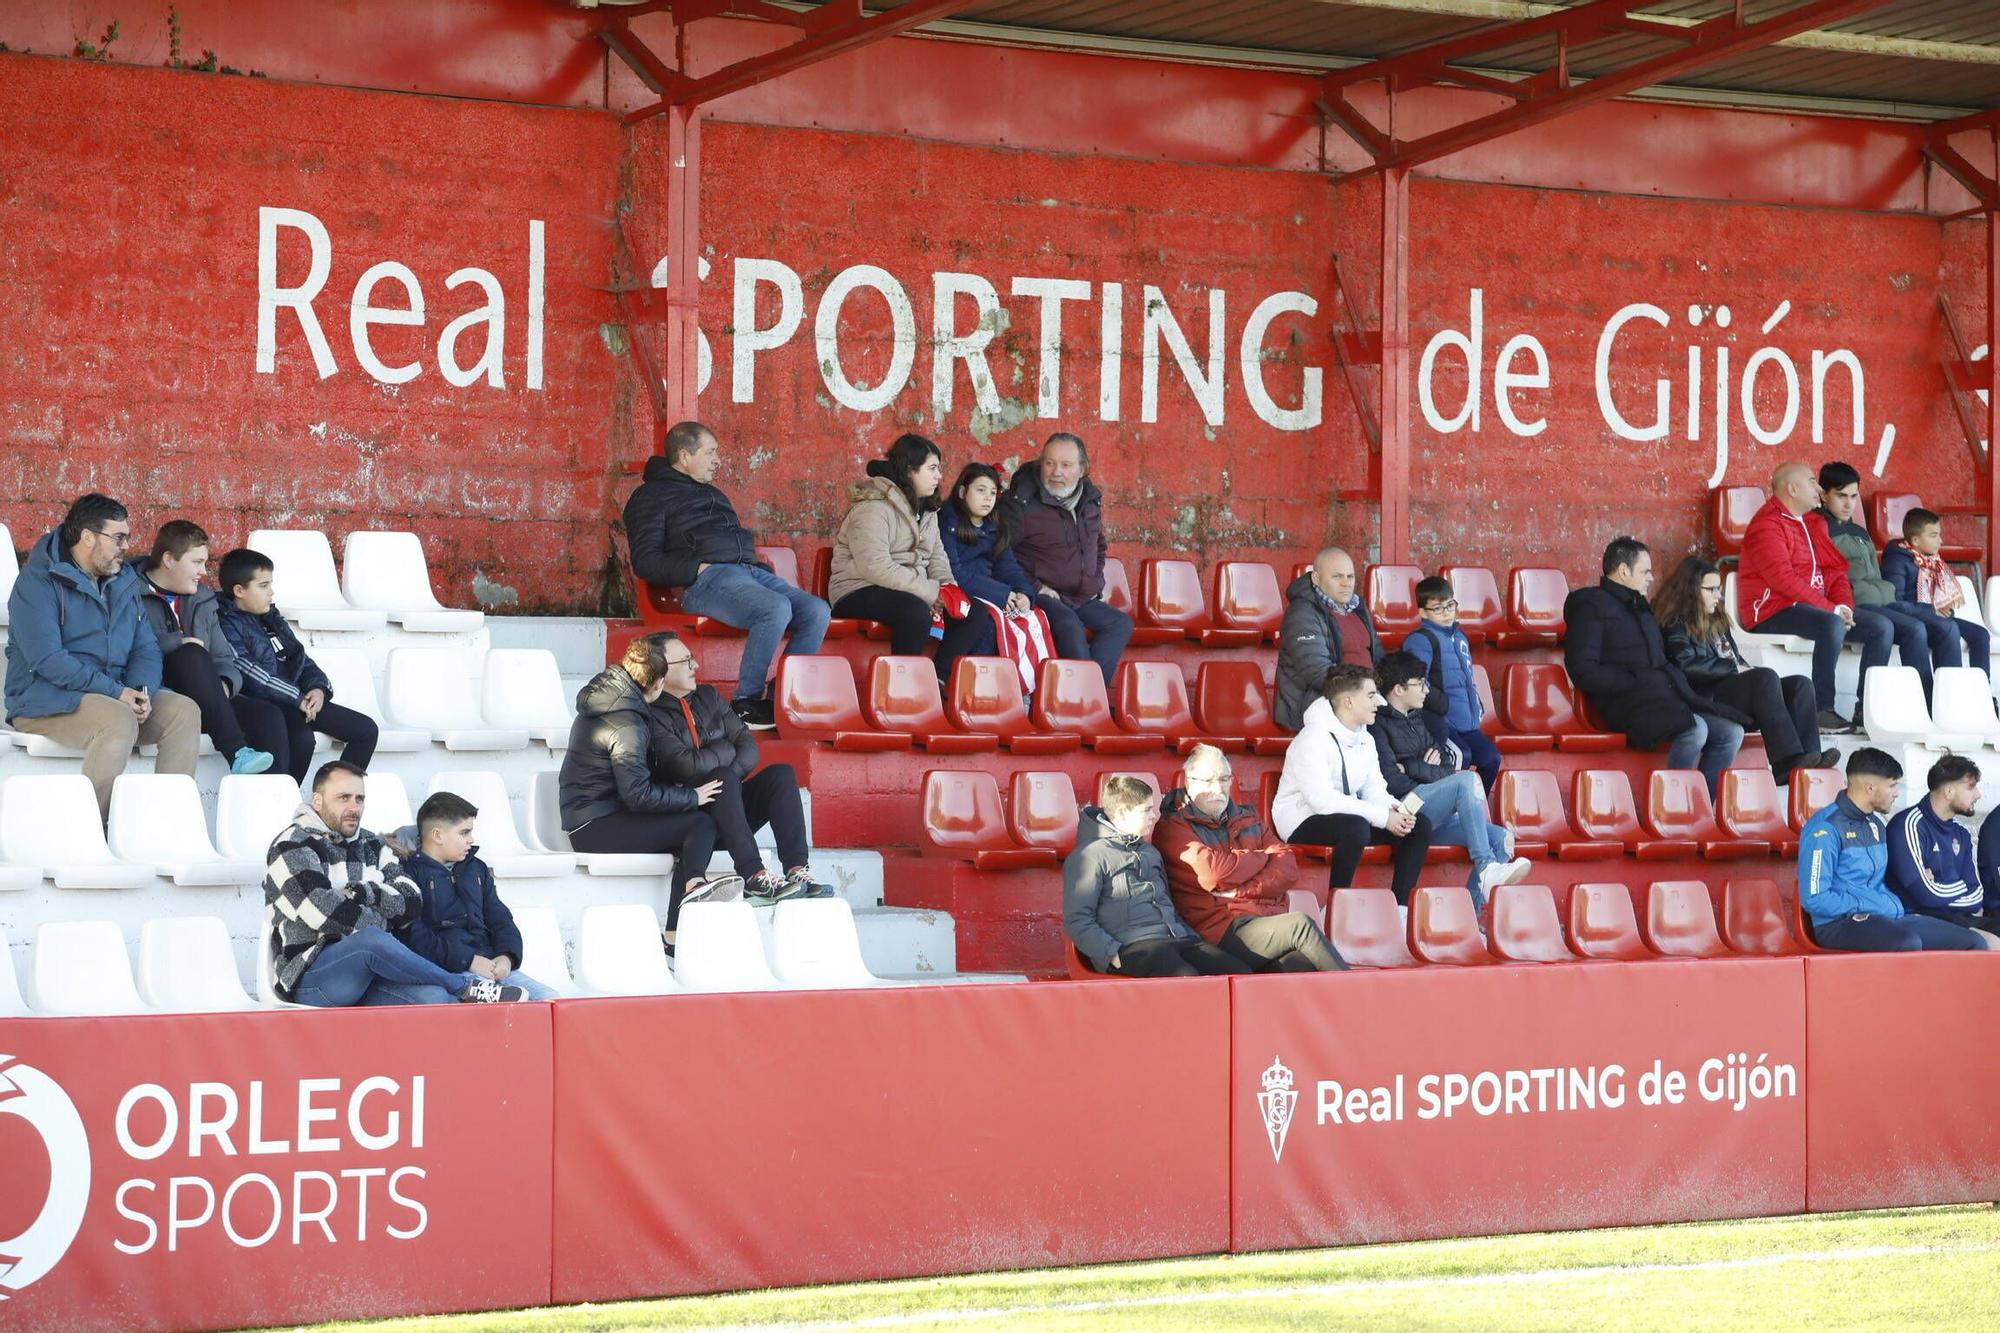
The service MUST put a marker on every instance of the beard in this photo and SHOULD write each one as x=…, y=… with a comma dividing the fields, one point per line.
x=1061, y=492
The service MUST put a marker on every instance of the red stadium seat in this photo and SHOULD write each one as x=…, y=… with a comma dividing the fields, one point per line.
x=817, y=702
x=1812, y=790
x=1539, y=703
x=1230, y=699
x=1535, y=598
x=1603, y=925
x=1735, y=506
x=903, y=695
x=783, y=560
x=1444, y=928
x=1751, y=808
x=1678, y=810
x=1367, y=930
x=839, y=627
x=1079, y=967
x=963, y=818
x=1267, y=792
x=1480, y=613
x=1170, y=596
x=1161, y=785
x=1118, y=596
x=1680, y=920
x=1041, y=811
x=1495, y=726
x=1392, y=599
x=1526, y=928
x=1757, y=920
x=1152, y=696
x=1070, y=697
x=1247, y=597
x=1601, y=804
x=1885, y=524
x=1529, y=802
x=986, y=696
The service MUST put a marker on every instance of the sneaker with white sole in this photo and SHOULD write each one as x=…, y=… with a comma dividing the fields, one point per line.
x=485, y=990
x=766, y=889
x=713, y=889
x=1504, y=872
x=808, y=886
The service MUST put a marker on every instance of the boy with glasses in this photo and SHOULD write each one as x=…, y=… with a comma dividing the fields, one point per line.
x=1446, y=654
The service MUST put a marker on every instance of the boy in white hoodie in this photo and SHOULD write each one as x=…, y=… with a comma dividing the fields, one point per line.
x=1332, y=793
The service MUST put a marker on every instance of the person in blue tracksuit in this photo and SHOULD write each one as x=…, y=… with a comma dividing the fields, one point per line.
x=1843, y=865
x=1446, y=653
x=1931, y=864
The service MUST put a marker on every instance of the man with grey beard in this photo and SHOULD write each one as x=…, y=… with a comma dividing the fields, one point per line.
x=1058, y=523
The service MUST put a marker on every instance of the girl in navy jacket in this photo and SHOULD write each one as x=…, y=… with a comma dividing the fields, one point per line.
x=977, y=540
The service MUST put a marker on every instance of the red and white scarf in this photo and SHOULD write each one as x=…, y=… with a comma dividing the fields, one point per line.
x=1026, y=639
x=1937, y=585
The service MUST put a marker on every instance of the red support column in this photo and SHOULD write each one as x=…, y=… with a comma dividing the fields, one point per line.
x=1993, y=377
x=1395, y=393
x=682, y=362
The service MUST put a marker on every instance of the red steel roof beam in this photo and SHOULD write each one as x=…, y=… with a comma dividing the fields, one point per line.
x=1582, y=22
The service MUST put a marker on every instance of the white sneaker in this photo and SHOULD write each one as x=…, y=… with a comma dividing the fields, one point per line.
x=1509, y=844
x=1504, y=872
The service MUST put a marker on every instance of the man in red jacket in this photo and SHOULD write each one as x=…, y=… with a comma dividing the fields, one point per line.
x=1792, y=579
x=1229, y=878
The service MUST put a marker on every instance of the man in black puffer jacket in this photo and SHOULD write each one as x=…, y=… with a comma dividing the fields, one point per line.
x=1616, y=655
x=684, y=534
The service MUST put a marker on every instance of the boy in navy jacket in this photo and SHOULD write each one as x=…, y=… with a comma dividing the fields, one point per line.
x=1931, y=865
x=1446, y=653
x=462, y=925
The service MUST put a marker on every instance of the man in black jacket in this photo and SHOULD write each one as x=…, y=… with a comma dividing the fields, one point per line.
x=1059, y=541
x=1616, y=655
x=1326, y=623
x=684, y=534
x=697, y=740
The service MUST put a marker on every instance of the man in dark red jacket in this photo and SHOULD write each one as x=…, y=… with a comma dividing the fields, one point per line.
x=1058, y=518
x=1229, y=878
x=1792, y=579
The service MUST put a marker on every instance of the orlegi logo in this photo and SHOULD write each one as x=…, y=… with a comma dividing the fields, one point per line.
x=1277, y=1100
x=38, y=1099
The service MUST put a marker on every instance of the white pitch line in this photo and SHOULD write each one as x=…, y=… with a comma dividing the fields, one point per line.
x=954, y=1316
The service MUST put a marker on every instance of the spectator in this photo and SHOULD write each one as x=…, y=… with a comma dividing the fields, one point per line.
x=1792, y=579
x=978, y=536
x=1446, y=653
x=1326, y=623
x=83, y=667
x=1843, y=862
x=1058, y=516
x=1229, y=879
x=1931, y=863
x=196, y=659
x=889, y=563
x=1926, y=584
x=461, y=924
x=1989, y=871
x=1700, y=642
x=277, y=670
x=1116, y=905
x=333, y=892
x=1921, y=635
x=1453, y=799
x=684, y=534
x=1616, y=655
x=1332, y=792
x=697, y=740
x=610, y=799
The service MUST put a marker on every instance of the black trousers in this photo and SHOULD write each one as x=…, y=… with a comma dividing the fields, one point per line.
x=1287, y=943
x=688, y=837
x=744, y=805
x=1785, y=708
x=284, y=731
x=908, y=617
x=1348, y=835
x=1175, y=958
x=189, y=670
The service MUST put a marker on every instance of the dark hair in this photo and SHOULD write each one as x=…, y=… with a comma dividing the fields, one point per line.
x=1399, y=668
x=1952, y=768
x=1916, y=521
x=1869, y=762
x=908, y=453
x=1124, y=793
x=331, y=767
x=1623, y=551
x=446, y=808
x=683, y=438
x=1679, y=602
x=89, y=513
x=1343, y=679
x=239, y=567
x=176, y=539
x=1838, y=476
x=1433, y=589
x=645, y=659
x=1082, y=454
x=1003, y=518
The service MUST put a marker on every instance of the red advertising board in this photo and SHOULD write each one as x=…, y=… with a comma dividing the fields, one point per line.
x=709, y=1143
x=216, y=1171
x=1902, y=1084
x=1405, y=1105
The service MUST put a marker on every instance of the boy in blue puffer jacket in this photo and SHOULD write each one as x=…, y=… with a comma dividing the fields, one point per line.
x=1446, y=653
x=462, y=926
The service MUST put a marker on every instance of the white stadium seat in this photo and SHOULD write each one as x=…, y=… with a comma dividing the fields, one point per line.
x=14, y=876
x=304, y=583
x=814, y=945
x=546, y=830
x=50, y=820
x=1992, y=606
x=157, y=820
x=187, y=966
x=1893, y=712
x=428, y=688
x=251, y=810
x=542, y=949
x=499, y=840
x=81, y=967
x=1789, y=643
x=12, y=1003
x=618, y=952
x=9, y=568
x=1969, y=608
x=1962, y=703
x=1302, y=902
x=353, y=684
x=386, y=571
x=387, y=807
x=523, y=687
x=718, y=947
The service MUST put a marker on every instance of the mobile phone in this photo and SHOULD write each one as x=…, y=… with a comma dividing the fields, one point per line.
x=1412, y=803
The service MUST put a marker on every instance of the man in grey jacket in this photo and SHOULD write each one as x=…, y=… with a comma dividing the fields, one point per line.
x=196, y=658
x=1326, y=623
x=1116, y=906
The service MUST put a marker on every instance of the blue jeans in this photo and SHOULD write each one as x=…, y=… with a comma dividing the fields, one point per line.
x=1481, y=753
x=1863, y=933
x=763, y=606
x=1709, y=745
x=1457, y=810
x=1095, y=631
x=372, y=966
x=1828, y=634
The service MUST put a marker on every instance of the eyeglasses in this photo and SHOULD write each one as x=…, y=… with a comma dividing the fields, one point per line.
x=677, y=661
x=1711, y=591
x=121, y=540
x=1443, y=606
x=1212, y=780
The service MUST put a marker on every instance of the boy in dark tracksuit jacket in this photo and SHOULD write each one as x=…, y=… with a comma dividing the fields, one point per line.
x=462, y=925
x=1446, y=653
x=1931, y=865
